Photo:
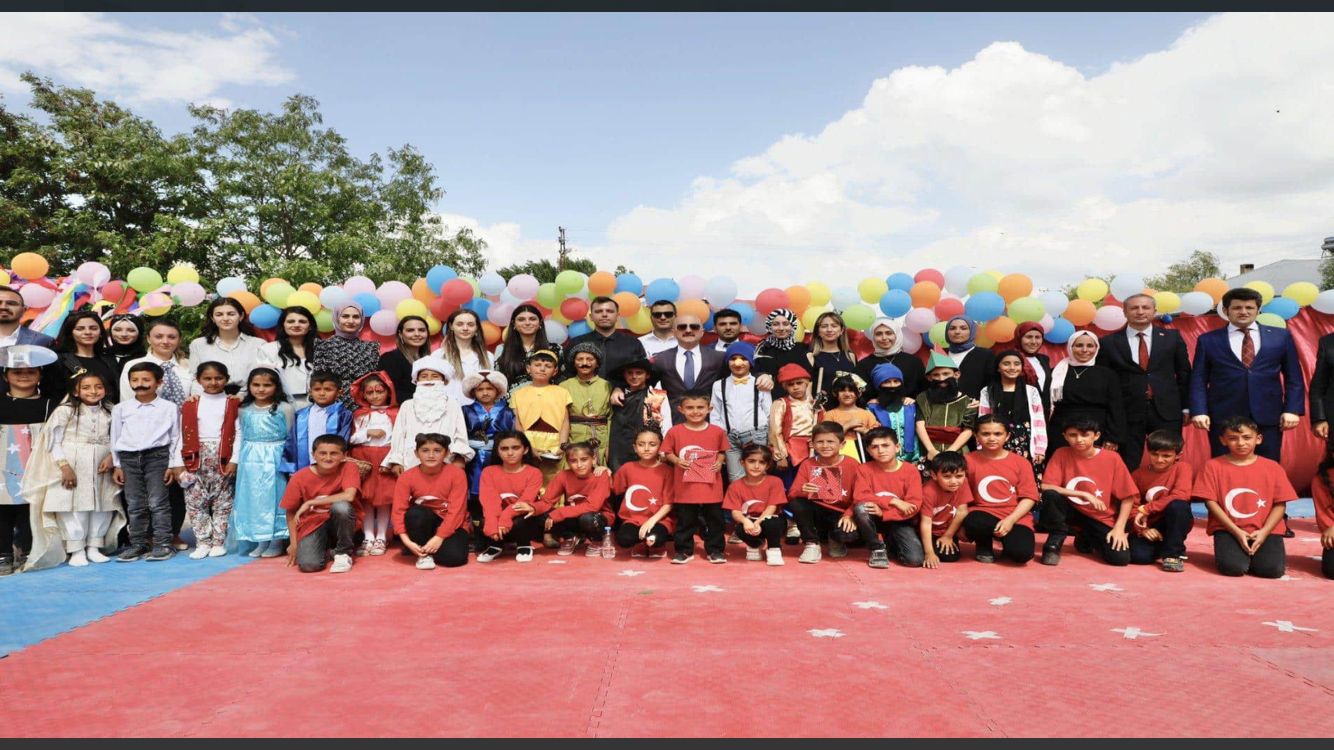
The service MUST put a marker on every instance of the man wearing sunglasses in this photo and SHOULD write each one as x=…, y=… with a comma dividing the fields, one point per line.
x=658, y=340
x=687, y=366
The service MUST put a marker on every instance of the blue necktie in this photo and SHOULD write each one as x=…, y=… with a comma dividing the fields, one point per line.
x=690, y=370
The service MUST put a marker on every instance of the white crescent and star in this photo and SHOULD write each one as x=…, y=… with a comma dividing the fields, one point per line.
x=985, y=495
x=509, y=495
x=630, y=499
x=1233, y=495
x=745, y=508
x=953, y=509
x=1153, y=492
x=424, y=498
x=1073, y=484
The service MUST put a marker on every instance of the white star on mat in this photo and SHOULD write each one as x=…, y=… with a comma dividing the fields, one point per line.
x=705, y=589
x=869, y=605
x=1105, y=587
x=13, y=448
x=979, y=635
x=555, y=562
x=1285, y=626
x=1286, y=577
x=1309, y=539
x=1000, y=601
x=632, y=573
x=827, y=633
x=1130, y=632
x=1314, y=557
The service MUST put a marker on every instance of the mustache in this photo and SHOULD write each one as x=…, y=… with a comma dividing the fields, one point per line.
x=141, y=388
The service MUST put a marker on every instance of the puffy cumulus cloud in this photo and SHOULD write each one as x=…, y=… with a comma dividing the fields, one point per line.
x=137, y=63
x=505, y=242
x=1017, y=161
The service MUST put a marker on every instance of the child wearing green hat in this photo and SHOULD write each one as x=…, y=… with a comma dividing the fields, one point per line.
x=945, y=415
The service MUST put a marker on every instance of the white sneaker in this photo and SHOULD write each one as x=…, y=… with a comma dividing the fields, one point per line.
x=95, y=555
x=217, y=551
x=426, y=563
x=524, y=554
x=811, y=553
x=489, y=554
x=594, y=549
x=78, y=559
x=753, y=554
x=341, y=564
x=567, y=546
x=200, y=552
x=773, y=557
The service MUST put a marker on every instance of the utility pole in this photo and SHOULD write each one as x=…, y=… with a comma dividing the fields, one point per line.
x=560, y=265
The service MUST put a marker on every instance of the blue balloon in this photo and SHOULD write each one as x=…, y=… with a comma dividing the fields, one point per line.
x=1282, y=307
x=896, y=302
x=579, y=328
x=662, y=289
x=708, y=324
x=265, y=316
x=984, y=306
x=478, y=305
x=1060, y=332
x=899, y=281
x=370, y=304
x=746, y=311
x=628, y=282
x=1167, y=320
x=437, y=276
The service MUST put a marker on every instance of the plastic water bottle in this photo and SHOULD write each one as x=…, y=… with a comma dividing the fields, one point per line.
x=608, y=547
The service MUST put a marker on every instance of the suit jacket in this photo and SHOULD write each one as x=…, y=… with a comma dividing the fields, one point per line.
x=1169, y=373
x=296, y=452
x=1220, y=387
x=1322, y=381
x=712, y=366
x=34, y=338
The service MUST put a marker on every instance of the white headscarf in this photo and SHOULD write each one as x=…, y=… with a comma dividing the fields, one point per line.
x=1063, y=367
x=889, y=323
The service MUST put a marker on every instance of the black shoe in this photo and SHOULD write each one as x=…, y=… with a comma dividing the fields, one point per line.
x=6, y=565
x=985, y=557
x=682, y=558
x=133, y=553
x=161, y=552
x=717, y=558
x=1082, y=546
x=1051, y=551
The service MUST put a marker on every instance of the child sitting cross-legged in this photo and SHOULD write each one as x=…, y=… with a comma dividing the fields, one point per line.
x=885, y=503
x=431, y=506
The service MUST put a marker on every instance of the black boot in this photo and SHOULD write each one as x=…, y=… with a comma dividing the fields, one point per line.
x=1051, y=551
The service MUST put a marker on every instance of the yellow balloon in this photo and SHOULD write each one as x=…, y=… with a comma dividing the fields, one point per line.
x=1167, y=302
x=556, y=315
x=871, y=290
x=997, y=275
x=182, y=274
x=1092, y=290
x=304, y=299
x=409, y=307
x=820, y=294
x=1302, y=292
x=640, y=323
x=4, y=278
x=433, y=326
x=1264, y=288
x=808, y=318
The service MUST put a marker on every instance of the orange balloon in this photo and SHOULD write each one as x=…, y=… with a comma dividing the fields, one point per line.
x=1080, y=312
x=602, y=284
x=696, y=307
x=421, y=291
x=924, y=294
x=1000, y=330
x=492, y=332
x=982, y=340
x=1215, y=288
x=264, y=287
x=311, y=287
x=1012, y=287
x=248, y=300
x=628, y=302
x=798, y=299
x=29, y=266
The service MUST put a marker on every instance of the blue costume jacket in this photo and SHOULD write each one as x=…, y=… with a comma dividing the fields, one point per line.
x=482, y=428
x=296, y=454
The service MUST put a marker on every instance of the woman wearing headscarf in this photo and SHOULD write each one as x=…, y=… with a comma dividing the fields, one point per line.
x=1028, y=338
x=975, y=363
x=780, y=348
x=887, y=339
x=1082, y=389
x=125, y=340
x=345, y=354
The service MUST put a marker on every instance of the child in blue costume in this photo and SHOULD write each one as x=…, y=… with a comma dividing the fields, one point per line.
x=891, y=411
x=326, y=415
x=263, y=425
x=487, y=415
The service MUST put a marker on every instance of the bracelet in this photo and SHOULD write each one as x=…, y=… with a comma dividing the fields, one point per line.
x=62, y=463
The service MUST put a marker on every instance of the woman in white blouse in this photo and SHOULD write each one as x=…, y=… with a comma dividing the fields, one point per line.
x=227, y=337
x=464, y=348
x=164, y=350
x=291, y=351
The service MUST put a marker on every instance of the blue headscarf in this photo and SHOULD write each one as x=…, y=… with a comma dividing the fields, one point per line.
x=972, y=335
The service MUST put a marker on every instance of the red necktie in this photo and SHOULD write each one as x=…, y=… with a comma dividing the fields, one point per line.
x=1144, y=360
x=1247, y=348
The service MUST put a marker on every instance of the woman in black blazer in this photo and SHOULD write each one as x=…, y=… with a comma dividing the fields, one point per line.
x=1321, y=392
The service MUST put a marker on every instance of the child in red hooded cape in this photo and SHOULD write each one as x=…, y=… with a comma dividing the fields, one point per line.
x=372, y=428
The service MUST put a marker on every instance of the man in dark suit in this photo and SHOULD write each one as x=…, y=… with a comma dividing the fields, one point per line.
x=688, y=366
x=1247, y=369
x=1154, y=369
x=12, y=330
x=1322, y=387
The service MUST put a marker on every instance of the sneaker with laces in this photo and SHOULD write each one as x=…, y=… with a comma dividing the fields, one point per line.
x=879, y=558
x=717, y=558
x=810, y=554
x=524, y=554
x=426, y=563
x=773, y=556
x=682, y=558
x=6, y=565
x=837, y=547
x=161, y=552
x=365, y=549
x=567, y=546
x=734, y=539
x=133, y=553
x=594, y=549
x=639, y=551
x=753, y=554
x=793, y=536
x=656, y=552
x=984, y=555
x=380, y=547
x=342, y=564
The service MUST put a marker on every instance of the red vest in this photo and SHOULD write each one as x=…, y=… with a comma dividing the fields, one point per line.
x=190, y=432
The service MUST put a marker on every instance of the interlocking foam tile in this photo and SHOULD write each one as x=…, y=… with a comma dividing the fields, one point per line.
x=42, y=604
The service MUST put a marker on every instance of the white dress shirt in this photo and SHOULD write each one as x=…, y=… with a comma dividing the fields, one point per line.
x=10, y=340
x=1039, y=371
x=180, y=367
x=654, y=345
x=240, y=358
x=696, y=354
x=1234, y=338
x=138, y=426
x=317, y=420
x=740, y=404
x=1133, y=337
x=721, y=345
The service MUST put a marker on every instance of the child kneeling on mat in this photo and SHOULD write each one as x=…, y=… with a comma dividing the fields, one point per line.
x=885, y=503
x=321, y=503
x=755, y=501
x=509, y=492
x=430, y=511
x=945, y=501
x=645, y=487
x=585, y=514
x=1090, y=489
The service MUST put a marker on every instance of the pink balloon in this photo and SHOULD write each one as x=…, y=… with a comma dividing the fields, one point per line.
x=692, y=287
x=393, y=292
x=499, y=314
x=919, y=320
x=93, y=274
x=911, y=343
x=188, y=293
x=359, y=285
x=384, y=322
x=524, y=286
x=1047, y=323
x=1109, y=318
x=932, y=275
x=36, y=296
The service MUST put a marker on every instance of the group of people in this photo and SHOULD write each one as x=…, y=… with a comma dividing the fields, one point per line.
x=327, y=449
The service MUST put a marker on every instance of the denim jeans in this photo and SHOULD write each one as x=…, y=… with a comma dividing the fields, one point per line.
x=312, y=551
x=903, y=535
x=738, y=440
x=146, y=496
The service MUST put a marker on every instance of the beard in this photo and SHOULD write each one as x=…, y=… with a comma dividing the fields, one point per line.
x=430, y=400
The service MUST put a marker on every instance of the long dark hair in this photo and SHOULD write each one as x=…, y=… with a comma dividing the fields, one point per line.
x=422, y=351
x=286, y=354
x=513, y=359
x=529, y=458
x=279, y=395
x=135, y=348
x=65, y=339
x=996, y=390
x=210, y=329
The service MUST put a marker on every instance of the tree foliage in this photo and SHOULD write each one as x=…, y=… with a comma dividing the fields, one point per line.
x=1182, y=276
x=545, y=270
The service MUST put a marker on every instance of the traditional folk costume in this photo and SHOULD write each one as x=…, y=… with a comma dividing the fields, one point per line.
x=208, y=436
x=429, y=410
x=890, y=411
x=590, y=410
x=377, y=485
x=261, y=435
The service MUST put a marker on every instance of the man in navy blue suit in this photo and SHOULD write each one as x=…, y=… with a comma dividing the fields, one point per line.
x=1247, y=369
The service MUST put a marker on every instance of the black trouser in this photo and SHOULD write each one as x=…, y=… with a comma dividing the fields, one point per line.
x=1327, y=563
x=15, y=527
x=421, y=523
x=312, y=550
x=1175, y=525
x=524, y=531
x=146, y=495
x=688, y=521
x=1268, y=562
x=903, y=535
x=812, y=519
x=1058, y=508
x=772, y=530
x=176, y=496
x=627, y=535
x=1138, y=428
x=588, y=525
x=1016, y=545
x=946, y=556
x=476, y=520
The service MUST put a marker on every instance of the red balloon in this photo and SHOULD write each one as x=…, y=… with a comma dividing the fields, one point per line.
x=441, y=308
x=932, y=275
x=457, y=291
x=574, y=308
x=771, y=299
x=113, y=291
x=948, y=308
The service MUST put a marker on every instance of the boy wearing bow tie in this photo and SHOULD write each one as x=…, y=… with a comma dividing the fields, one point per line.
x=740, y=407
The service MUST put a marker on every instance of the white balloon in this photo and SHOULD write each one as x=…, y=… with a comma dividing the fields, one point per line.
x=956, y=280
x=845, y=297
x=720, y=291
x=1199, y=303
x=919, y=320
x=1127, y=284
x=332, y=296
x=557, y=333
x=1047, y=323
x=491, y=284
x=1324, y=302
x=1054, y=303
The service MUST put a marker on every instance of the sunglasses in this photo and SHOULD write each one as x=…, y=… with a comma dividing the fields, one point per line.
x=664, y=314
x=688, y=326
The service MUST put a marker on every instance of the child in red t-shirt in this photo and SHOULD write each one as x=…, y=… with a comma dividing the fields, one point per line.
x=1163, y=517
x=585, y=514
x=692, y=498
x=1090, y=490
x=321, y=502
x=509, y=493
x=945, y=502
x=888, y=496
x=645, y=487
x=755, y=501
x=1004, y=492
x=1324, y=510
x=430, y=508
x=1246, y=494
x=808, y=500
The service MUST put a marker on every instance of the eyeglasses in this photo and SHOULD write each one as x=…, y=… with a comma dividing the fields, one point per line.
x=11, y=303
x=664, y=314
x=688, y=326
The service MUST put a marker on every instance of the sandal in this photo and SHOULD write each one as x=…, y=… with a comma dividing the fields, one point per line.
x=1173, y=565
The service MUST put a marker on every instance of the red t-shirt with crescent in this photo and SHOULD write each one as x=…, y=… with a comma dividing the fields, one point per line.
x=875, y=485
x=644, y=491
x=680, y=439
x=942, y=505
x=998, y=484
x=752, y=500
x=847, y=475
x=308, y=484
x=500, y=489
x=1158, y=488
x=1246, y=493
x=1104, y=474
x=1324, y=503
x=444, y=493
x=587, y=495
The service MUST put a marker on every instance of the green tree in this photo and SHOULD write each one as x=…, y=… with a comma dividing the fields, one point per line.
x=545, y=270
x=1182, y=276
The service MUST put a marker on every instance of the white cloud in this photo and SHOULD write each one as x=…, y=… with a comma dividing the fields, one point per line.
x=505, y=243
x=139, y=64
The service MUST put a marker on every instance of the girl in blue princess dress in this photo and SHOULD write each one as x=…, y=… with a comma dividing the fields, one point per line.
x=257, y=457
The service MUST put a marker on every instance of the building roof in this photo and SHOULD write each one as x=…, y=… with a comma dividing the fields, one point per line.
x=1281, y=273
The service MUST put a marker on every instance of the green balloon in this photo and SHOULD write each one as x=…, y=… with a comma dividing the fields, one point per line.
x=937, y=333
x=1027, y=310
x=858, y=317
x=549, y=296
x=278, y=294
x=568, y=282
x=982, y=282
x=324, y=321
x=144, y=280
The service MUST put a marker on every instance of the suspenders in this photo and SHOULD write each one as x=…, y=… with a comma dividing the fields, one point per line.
x=755, y=410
